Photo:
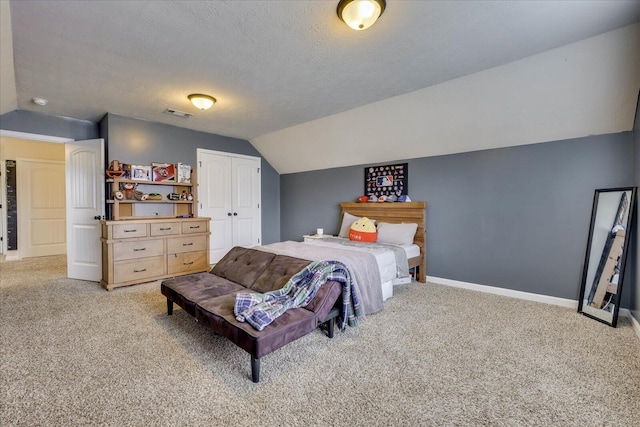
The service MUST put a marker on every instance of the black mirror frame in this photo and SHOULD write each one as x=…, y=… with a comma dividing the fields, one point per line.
x=623, y=256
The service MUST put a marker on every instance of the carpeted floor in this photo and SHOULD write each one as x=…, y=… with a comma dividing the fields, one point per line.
x=74, y=354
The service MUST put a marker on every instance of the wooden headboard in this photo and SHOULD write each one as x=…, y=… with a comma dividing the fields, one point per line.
x=396, y=213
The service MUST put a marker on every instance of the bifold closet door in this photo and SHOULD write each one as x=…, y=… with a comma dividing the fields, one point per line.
x=229, y=193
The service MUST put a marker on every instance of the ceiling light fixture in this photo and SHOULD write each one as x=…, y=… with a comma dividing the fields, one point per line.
x=203, y=102
x=360, y=14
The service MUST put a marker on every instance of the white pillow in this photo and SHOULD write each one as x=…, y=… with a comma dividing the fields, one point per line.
x=347, y=222
x=398, y=234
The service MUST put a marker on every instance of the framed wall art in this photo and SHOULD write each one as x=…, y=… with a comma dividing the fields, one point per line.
x=385, y=180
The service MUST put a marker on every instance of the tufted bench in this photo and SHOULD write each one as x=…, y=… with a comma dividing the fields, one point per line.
x=210, y=297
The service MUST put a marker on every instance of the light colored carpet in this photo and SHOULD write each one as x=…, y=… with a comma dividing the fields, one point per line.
x=74, y=354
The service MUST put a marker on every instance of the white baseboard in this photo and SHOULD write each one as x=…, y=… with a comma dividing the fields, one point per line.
x=563, y=302
x=636, y=325
x=12, y=256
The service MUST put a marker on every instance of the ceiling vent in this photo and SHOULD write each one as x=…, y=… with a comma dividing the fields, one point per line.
x=178, y=113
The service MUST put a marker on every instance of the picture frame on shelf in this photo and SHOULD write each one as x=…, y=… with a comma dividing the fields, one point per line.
x=141, y=173
x=184, y=173
x=163, y=172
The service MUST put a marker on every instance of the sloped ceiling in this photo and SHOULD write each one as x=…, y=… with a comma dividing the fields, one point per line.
x=279, y=66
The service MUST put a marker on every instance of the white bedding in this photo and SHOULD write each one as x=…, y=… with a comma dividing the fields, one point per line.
x=385, y=259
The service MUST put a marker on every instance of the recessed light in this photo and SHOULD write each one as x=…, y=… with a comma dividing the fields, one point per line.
x=40, y=101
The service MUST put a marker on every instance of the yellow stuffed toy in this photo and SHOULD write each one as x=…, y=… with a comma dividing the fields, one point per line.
x=363, y=230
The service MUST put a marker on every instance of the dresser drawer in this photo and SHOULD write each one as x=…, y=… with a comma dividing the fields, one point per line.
x=165, y=228
x=138, y=269
x=124, y=231
x=194, y=227
x=187, y=262
x=186, y=244
x=137, y=249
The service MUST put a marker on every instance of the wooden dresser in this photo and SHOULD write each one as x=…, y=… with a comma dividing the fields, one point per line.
x=143, y=250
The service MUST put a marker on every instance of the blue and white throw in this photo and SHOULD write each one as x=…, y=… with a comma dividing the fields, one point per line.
x=260, y=310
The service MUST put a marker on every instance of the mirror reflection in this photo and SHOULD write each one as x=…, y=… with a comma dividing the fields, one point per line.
x=606, y=255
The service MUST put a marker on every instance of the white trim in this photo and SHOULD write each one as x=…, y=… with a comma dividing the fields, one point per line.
x=636, y=325
x=11, y=256
x=34, y=136
x=563, y=302
x=227, y=154
x=546, y=299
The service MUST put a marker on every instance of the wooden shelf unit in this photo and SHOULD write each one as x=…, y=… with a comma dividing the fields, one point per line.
x=126, y=209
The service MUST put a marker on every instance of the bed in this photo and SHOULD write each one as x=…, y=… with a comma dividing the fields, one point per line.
x=375, y=268
x=397, y=213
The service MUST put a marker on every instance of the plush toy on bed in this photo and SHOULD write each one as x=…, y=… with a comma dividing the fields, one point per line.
x=363, y=230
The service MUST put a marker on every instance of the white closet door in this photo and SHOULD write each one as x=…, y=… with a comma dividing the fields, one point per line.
x=41, y=199
x=246, y=201
x=214, y=194
x=229, y=193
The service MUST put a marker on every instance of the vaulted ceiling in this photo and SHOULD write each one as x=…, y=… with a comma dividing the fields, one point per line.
x=276, y=67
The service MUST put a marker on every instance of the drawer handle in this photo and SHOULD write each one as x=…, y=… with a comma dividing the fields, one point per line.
x=138, y=249
x=187, y=244
x=140, y=271
x=187, y=263
x=165, y=229
x=194, y=226
x=131, y=231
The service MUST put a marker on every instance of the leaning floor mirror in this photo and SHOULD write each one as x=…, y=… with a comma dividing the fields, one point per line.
x=606, y=254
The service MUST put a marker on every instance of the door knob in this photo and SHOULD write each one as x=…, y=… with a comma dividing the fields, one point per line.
x=235, y=214
x=228, y=213
x=97, y=217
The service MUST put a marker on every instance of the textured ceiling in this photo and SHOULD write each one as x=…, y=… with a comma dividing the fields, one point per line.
x=271, y=64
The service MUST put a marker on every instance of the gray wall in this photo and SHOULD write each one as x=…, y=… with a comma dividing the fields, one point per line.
x=65, y=127
x=514, y=217
x=137, y=141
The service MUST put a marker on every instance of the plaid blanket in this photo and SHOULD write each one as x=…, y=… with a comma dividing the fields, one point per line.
x=260, y=310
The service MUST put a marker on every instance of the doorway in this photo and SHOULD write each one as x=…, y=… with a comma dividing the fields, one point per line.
x=37, y=156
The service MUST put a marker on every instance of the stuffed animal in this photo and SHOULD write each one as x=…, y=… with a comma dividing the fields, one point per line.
x=129, y=190
x=363, y=230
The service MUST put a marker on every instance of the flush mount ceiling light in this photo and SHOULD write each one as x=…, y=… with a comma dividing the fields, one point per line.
x=203, y=102
x=360, y=14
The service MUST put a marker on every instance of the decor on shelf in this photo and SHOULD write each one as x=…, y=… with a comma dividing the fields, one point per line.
x=163, y=172
x=128, y=189
x=386, y=180
x=360, y=14
x=115, y=171
x=141, y=173
x=201, y=101
x=184, y=172
x=144, y=194
x=606, y=254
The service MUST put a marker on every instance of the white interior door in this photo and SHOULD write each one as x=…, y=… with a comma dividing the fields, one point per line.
x=214, y=195
x=41, y=224
x=246, y=201
x=229, y=193
x=85, y=207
